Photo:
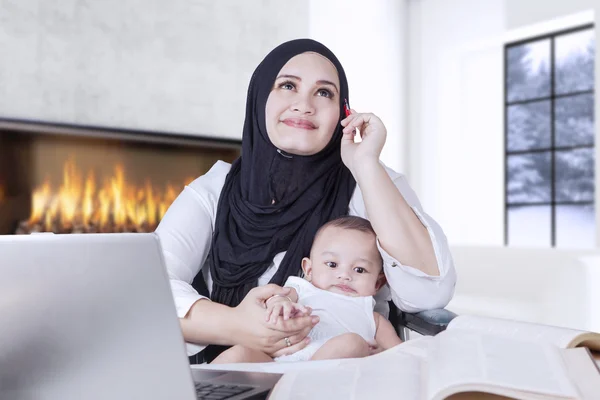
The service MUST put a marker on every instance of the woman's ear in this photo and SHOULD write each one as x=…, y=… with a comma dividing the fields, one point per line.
x=381, y=280
x=307, y=268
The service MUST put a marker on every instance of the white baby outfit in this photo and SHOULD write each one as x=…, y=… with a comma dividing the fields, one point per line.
x=338, y=314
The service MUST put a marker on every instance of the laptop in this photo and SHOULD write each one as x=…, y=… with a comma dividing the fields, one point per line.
x=91, y=316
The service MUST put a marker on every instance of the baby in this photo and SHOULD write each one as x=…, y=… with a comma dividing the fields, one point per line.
x=342, y=275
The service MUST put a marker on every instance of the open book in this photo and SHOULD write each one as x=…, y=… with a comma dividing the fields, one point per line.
x=475, y=358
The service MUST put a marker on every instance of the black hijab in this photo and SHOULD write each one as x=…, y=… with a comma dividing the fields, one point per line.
x=308, y=191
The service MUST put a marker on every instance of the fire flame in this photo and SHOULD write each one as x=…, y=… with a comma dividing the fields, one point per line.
x=116, y=206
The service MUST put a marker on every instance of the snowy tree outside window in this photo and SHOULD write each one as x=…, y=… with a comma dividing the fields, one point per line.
x=549, y=124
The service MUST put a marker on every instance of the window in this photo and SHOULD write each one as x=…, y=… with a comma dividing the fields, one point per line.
x=549, y=131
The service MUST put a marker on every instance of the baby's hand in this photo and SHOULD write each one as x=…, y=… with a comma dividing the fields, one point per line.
x=286, y=309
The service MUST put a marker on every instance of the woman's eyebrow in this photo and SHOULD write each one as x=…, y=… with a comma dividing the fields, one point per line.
x=319, y=82
x=289, y=76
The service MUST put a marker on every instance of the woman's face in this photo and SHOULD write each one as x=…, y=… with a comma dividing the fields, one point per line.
x=303, y=107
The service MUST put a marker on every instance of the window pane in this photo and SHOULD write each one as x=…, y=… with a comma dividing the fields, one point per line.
x=529, y=178
x=575, y=226
x=575, y=175
x=575, y=120
x=529, y=226
x=529, y=126
x=575, y=61
x=528, y=71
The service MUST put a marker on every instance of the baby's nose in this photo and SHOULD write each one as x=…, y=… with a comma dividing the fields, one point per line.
x=344, y=275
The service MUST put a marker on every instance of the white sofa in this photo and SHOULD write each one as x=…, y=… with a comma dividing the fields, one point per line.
x=550, y=286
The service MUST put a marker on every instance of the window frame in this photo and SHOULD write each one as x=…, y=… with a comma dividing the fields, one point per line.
x=553, y=149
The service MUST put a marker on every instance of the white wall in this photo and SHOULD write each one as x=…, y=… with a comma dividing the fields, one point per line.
x=522, y=13
x=178, y=65
x=184, y=66
x=455, y=115
x=369, y=38
x=456, y=110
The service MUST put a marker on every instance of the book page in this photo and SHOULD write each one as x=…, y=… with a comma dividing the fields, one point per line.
x=416, y=347
x=537, y=333
x=465, y=358
x=381, y=376
x=583, y=371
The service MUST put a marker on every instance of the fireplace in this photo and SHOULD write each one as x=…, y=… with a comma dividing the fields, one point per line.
x=79, y=179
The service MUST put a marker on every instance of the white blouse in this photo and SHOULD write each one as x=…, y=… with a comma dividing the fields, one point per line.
x=186, y=230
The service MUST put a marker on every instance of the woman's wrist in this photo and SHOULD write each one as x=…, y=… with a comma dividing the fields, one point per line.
x=365, y=168
x=208, y=322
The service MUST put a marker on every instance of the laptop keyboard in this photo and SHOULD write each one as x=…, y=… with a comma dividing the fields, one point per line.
x=211, y=391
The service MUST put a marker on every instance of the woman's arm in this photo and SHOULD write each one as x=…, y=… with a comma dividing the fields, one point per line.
x=399, y=230
x=417, y=260
x=214, y=323
x=208, y=322
x=185, y=234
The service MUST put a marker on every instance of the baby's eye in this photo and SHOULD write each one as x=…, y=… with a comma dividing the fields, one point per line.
x=360, y=270
x=331, y=264
x=325, y=93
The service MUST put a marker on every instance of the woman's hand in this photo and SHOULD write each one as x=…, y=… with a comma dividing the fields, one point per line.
x=373, y=134
x=255, y=332
x=281, y=307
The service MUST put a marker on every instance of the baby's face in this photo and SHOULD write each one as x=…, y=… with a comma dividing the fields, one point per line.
x=344, y=261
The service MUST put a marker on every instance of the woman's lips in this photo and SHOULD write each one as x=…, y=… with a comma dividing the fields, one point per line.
x=299, y=123
x=345, y=288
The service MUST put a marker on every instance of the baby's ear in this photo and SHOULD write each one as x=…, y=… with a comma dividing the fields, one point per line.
x=381, y=280
x=307, y=268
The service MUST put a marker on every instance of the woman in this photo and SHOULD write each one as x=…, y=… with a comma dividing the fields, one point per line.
x=249, y=224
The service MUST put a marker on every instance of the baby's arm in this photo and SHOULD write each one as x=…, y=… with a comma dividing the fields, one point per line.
x=293, y=296
x=281, y=306
x=385, y=335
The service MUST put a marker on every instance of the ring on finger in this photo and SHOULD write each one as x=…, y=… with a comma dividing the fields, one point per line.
x=287, y=341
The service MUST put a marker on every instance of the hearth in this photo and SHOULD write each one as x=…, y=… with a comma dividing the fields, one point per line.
x=79, y=179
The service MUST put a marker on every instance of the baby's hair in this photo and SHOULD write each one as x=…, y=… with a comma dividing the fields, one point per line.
x=349, y=222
